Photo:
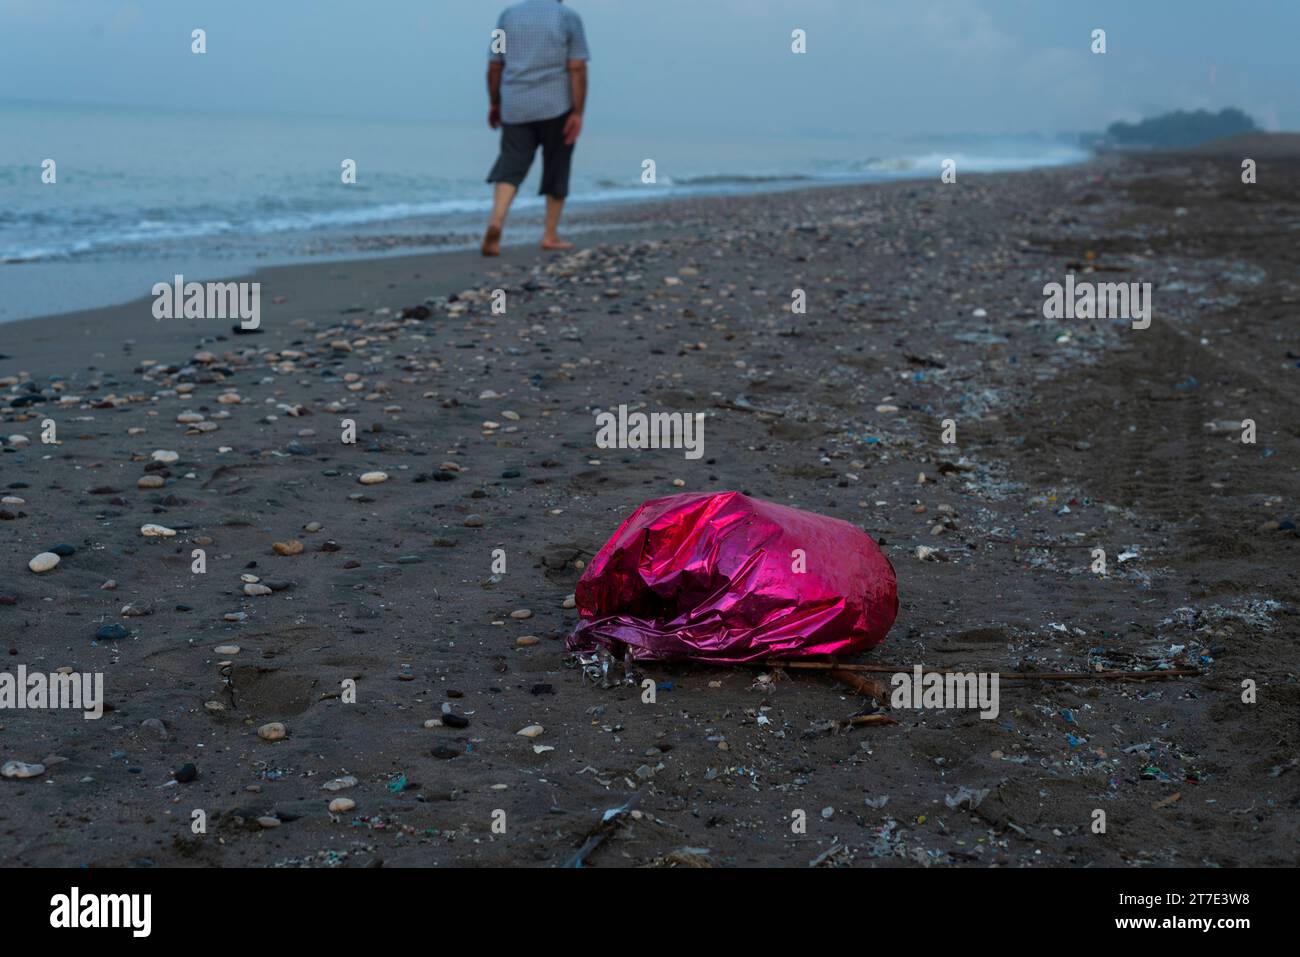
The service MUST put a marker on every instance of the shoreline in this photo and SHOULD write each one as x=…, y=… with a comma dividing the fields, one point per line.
x=26, y=280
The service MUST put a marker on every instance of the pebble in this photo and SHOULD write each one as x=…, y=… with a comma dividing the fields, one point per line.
x=20, y=769
x=342, y=805
x=166, y=456
x=473, y=521
x=455, y=721
x=532, y=731
x=527, y=641
x=521, y=613
x=156, y=726
x=267, y=821
x=373, y=478
x=112, y=632
x=226, y=649
x=186, y=773
x=273, y=731
x=570, y=602
x=291, y=547
x=150, y=481
x=254, y=589
x=43, y=562
x=340, y=784
x=157, y=531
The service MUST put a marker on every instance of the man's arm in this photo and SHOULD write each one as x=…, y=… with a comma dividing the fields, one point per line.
x=578, y=56
x=495, y=69
x=578, y=86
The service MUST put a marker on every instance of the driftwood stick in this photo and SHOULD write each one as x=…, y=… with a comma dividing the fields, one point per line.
x=867, y=686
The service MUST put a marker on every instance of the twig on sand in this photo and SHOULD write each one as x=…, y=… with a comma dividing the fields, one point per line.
x=867, y=686
x=602, y=830
x=860, y=720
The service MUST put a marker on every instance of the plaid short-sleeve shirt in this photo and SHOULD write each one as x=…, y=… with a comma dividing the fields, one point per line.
x=540, y=38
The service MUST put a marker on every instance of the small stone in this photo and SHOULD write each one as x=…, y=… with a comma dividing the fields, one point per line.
x=291, y=547
x=445, y=753
x=521, y=613
x=20, y=769
x=342, y=805
x=150, y=481
x=312, y=527
x=570, y=602
x=273, y=731
x=451, y=720
x=156, y=726
x=112, y=632
x=254, y=590
x=267, y=821
x=373, y=478
x=339, y=784
x=43, y=562
x=186, y=773
x=473, y=521
x=157, y=531
x=166, y=456
x=527, y=641
x=532, y=731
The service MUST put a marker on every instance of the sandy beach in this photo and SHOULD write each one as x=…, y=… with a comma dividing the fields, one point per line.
x=924, y=303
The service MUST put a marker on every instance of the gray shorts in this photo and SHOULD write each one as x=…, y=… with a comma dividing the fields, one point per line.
x=519, y=142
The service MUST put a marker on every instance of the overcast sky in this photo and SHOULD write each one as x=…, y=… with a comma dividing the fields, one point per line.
x=725, y=66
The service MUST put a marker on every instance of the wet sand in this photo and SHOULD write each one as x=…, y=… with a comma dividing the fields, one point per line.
x=924, y=304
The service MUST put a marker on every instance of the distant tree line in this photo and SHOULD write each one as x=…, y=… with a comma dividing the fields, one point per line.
x=1177, y=130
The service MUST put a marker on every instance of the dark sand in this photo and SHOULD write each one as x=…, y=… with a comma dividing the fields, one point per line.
x=1072, y=435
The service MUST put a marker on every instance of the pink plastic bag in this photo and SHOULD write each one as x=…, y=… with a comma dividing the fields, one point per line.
x=725, y=578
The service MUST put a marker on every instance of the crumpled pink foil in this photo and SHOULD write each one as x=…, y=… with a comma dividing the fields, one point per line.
x=715, y=577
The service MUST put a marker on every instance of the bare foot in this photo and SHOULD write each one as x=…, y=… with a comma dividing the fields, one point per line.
x=556, y=243
x=492, y=241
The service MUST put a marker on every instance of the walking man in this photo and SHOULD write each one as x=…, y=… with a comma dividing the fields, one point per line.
x=537, y=87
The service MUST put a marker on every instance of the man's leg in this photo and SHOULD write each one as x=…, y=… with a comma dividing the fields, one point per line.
x=502, y=196
x=557, y=158
x=551, y=235
x=518, y=144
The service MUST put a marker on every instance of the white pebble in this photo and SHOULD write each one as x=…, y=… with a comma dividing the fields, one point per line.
x=43, y=562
